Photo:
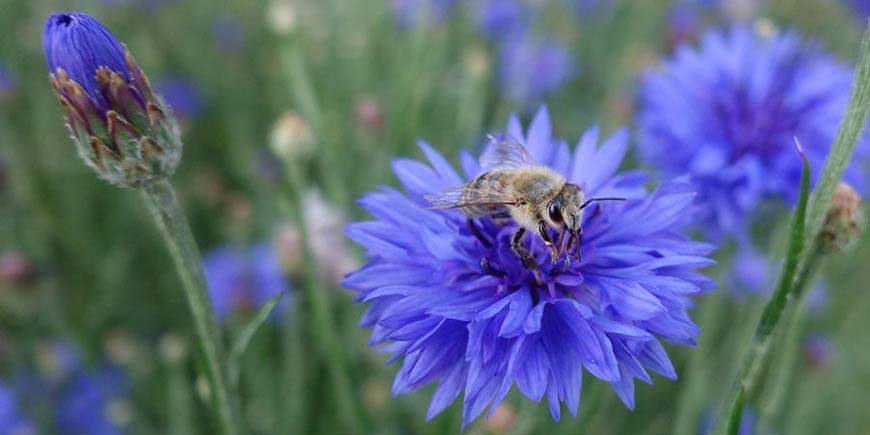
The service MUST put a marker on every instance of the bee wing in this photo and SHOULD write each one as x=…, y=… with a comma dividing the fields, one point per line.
x=505, y=152
x=464, y=196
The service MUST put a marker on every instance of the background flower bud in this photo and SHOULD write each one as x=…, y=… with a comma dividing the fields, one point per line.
x=291, y=136
x=844, y=220
x=122, y=129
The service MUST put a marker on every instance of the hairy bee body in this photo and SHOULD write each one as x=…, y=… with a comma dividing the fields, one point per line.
x=514, y=186
x=531, y=187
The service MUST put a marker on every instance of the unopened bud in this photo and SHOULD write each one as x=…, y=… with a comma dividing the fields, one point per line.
x=368, y=114
x=844, y=220
x=476, y=62
x=16, y=269
x=282, y=16
x=122, y=129
x=291, y=136
x=172, y=348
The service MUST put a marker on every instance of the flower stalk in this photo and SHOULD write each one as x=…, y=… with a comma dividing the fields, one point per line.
x=163, y=204
x=807, y=228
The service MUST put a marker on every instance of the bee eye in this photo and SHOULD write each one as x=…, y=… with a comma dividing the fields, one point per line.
x=555, y=212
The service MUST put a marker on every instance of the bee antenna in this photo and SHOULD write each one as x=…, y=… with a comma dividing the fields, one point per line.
x=603, y=198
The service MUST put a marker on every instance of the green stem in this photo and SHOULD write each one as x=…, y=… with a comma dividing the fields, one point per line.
x=163, y=203
x=324, y=328
x=784, y=368
x=759, y=349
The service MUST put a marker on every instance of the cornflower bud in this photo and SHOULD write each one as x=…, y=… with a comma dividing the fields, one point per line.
x=122, y=129
x=843, y=221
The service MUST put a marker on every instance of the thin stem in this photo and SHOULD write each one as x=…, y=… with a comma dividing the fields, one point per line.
x=324, y=330
x=790, y=342
x=163, y=203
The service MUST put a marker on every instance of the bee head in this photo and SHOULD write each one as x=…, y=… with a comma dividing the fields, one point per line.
x=566, y=209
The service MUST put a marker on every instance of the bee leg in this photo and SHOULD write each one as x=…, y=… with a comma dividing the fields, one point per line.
x=545, y=236
x=578, y=235
x=501, y=217
x=476, y=231
x=523, y=254
x=489, y=269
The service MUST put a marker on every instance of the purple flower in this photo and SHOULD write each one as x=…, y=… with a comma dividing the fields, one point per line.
x=12, y=417
x=241, y=279
x=79, y=44
x=860, y=6
x=84, y=403
x=82, y=400
x=483, y=329
x=6, y=83
x=498, y=18
x=819, y=351
x=586, y=7
x=412, y=13
x=728, y=112
x=120, y=127
x=531, y=68
x=229, y=34
x=182, y=95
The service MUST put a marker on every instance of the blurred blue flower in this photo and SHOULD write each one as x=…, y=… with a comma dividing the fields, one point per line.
x=751, y=271
x=586, y=7
x=182, y=94
x=228, y=33
x=482, y=330
x=82, y=400
x=79, y=44
x=6, y=83
x=412, y=13
x=684, y=20
x=728, y=113
x=707, y=424
x=241, y=279
x=498, y=18
x=84, y=403
x=818, y=351
x=860, y=6
x=13, y=420
x=531, y=68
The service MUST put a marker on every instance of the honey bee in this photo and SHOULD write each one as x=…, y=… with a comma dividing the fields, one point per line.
x=515, y=187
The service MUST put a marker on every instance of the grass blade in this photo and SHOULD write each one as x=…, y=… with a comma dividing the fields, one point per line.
x=241, y=343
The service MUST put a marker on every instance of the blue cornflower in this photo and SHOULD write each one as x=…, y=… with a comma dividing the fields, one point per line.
x=121, y=128
x=6, y=83
x=728, y=112
x=412, y=13
x=483, y=329
x=13, y=420
x=79, y=44
x=532, y=67
x=860, y=6
x=84, y=403
x=586, y=7
x=497, y=18
x=241, y=279
x=182, y=94
x=228, y=33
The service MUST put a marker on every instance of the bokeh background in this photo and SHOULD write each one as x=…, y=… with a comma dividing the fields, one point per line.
x=95, y=335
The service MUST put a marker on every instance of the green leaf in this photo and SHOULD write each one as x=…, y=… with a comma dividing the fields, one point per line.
x=850, y=130
x=759, y=350
x=244, y=339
